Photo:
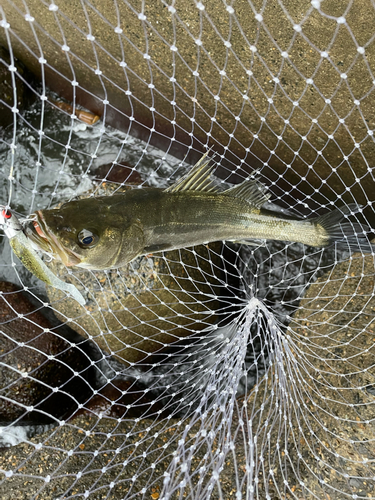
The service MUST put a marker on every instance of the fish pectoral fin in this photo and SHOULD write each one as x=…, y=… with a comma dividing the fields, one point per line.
x=157, y=248
x=252, y=191
x=197, y=179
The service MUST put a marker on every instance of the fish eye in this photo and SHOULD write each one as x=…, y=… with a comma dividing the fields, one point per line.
x=87, y=238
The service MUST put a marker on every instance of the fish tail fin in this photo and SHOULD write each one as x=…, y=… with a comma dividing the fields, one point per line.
x=345, y=234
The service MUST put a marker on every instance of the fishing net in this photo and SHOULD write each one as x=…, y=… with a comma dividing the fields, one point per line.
x=219, y=371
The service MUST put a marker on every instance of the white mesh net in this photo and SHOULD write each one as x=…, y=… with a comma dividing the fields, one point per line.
x=216, y=371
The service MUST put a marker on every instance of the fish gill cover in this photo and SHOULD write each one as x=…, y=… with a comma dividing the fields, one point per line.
x=213, y=372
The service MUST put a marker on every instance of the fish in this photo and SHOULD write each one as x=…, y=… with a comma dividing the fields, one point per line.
x=105, y=232
x=22, y=247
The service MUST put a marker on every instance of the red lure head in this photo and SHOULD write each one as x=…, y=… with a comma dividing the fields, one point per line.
x=7, y=214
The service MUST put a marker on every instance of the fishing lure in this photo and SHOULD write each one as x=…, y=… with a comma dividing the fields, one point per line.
x=22, y=247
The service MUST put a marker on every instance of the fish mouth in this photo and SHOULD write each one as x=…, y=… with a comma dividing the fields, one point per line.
x=40, y=234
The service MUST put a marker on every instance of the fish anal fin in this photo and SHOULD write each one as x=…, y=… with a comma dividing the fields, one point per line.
x=197, y=179
x=252, y=242
x=252, y=191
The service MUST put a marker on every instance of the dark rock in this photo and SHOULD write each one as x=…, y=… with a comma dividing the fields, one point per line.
x=121, y=399
x=41, y=374
x=119, y=173
x=7, y=89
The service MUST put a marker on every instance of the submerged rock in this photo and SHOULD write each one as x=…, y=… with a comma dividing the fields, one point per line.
x=41, y=374
x=119, y=173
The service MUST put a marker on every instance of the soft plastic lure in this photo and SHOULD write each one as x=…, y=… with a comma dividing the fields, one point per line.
x=22, y=247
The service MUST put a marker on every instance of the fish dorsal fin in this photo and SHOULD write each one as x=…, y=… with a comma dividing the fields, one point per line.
x=197, y=179
x=252, y=191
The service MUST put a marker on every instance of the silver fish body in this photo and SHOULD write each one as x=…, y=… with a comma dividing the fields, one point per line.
x=110, y=231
